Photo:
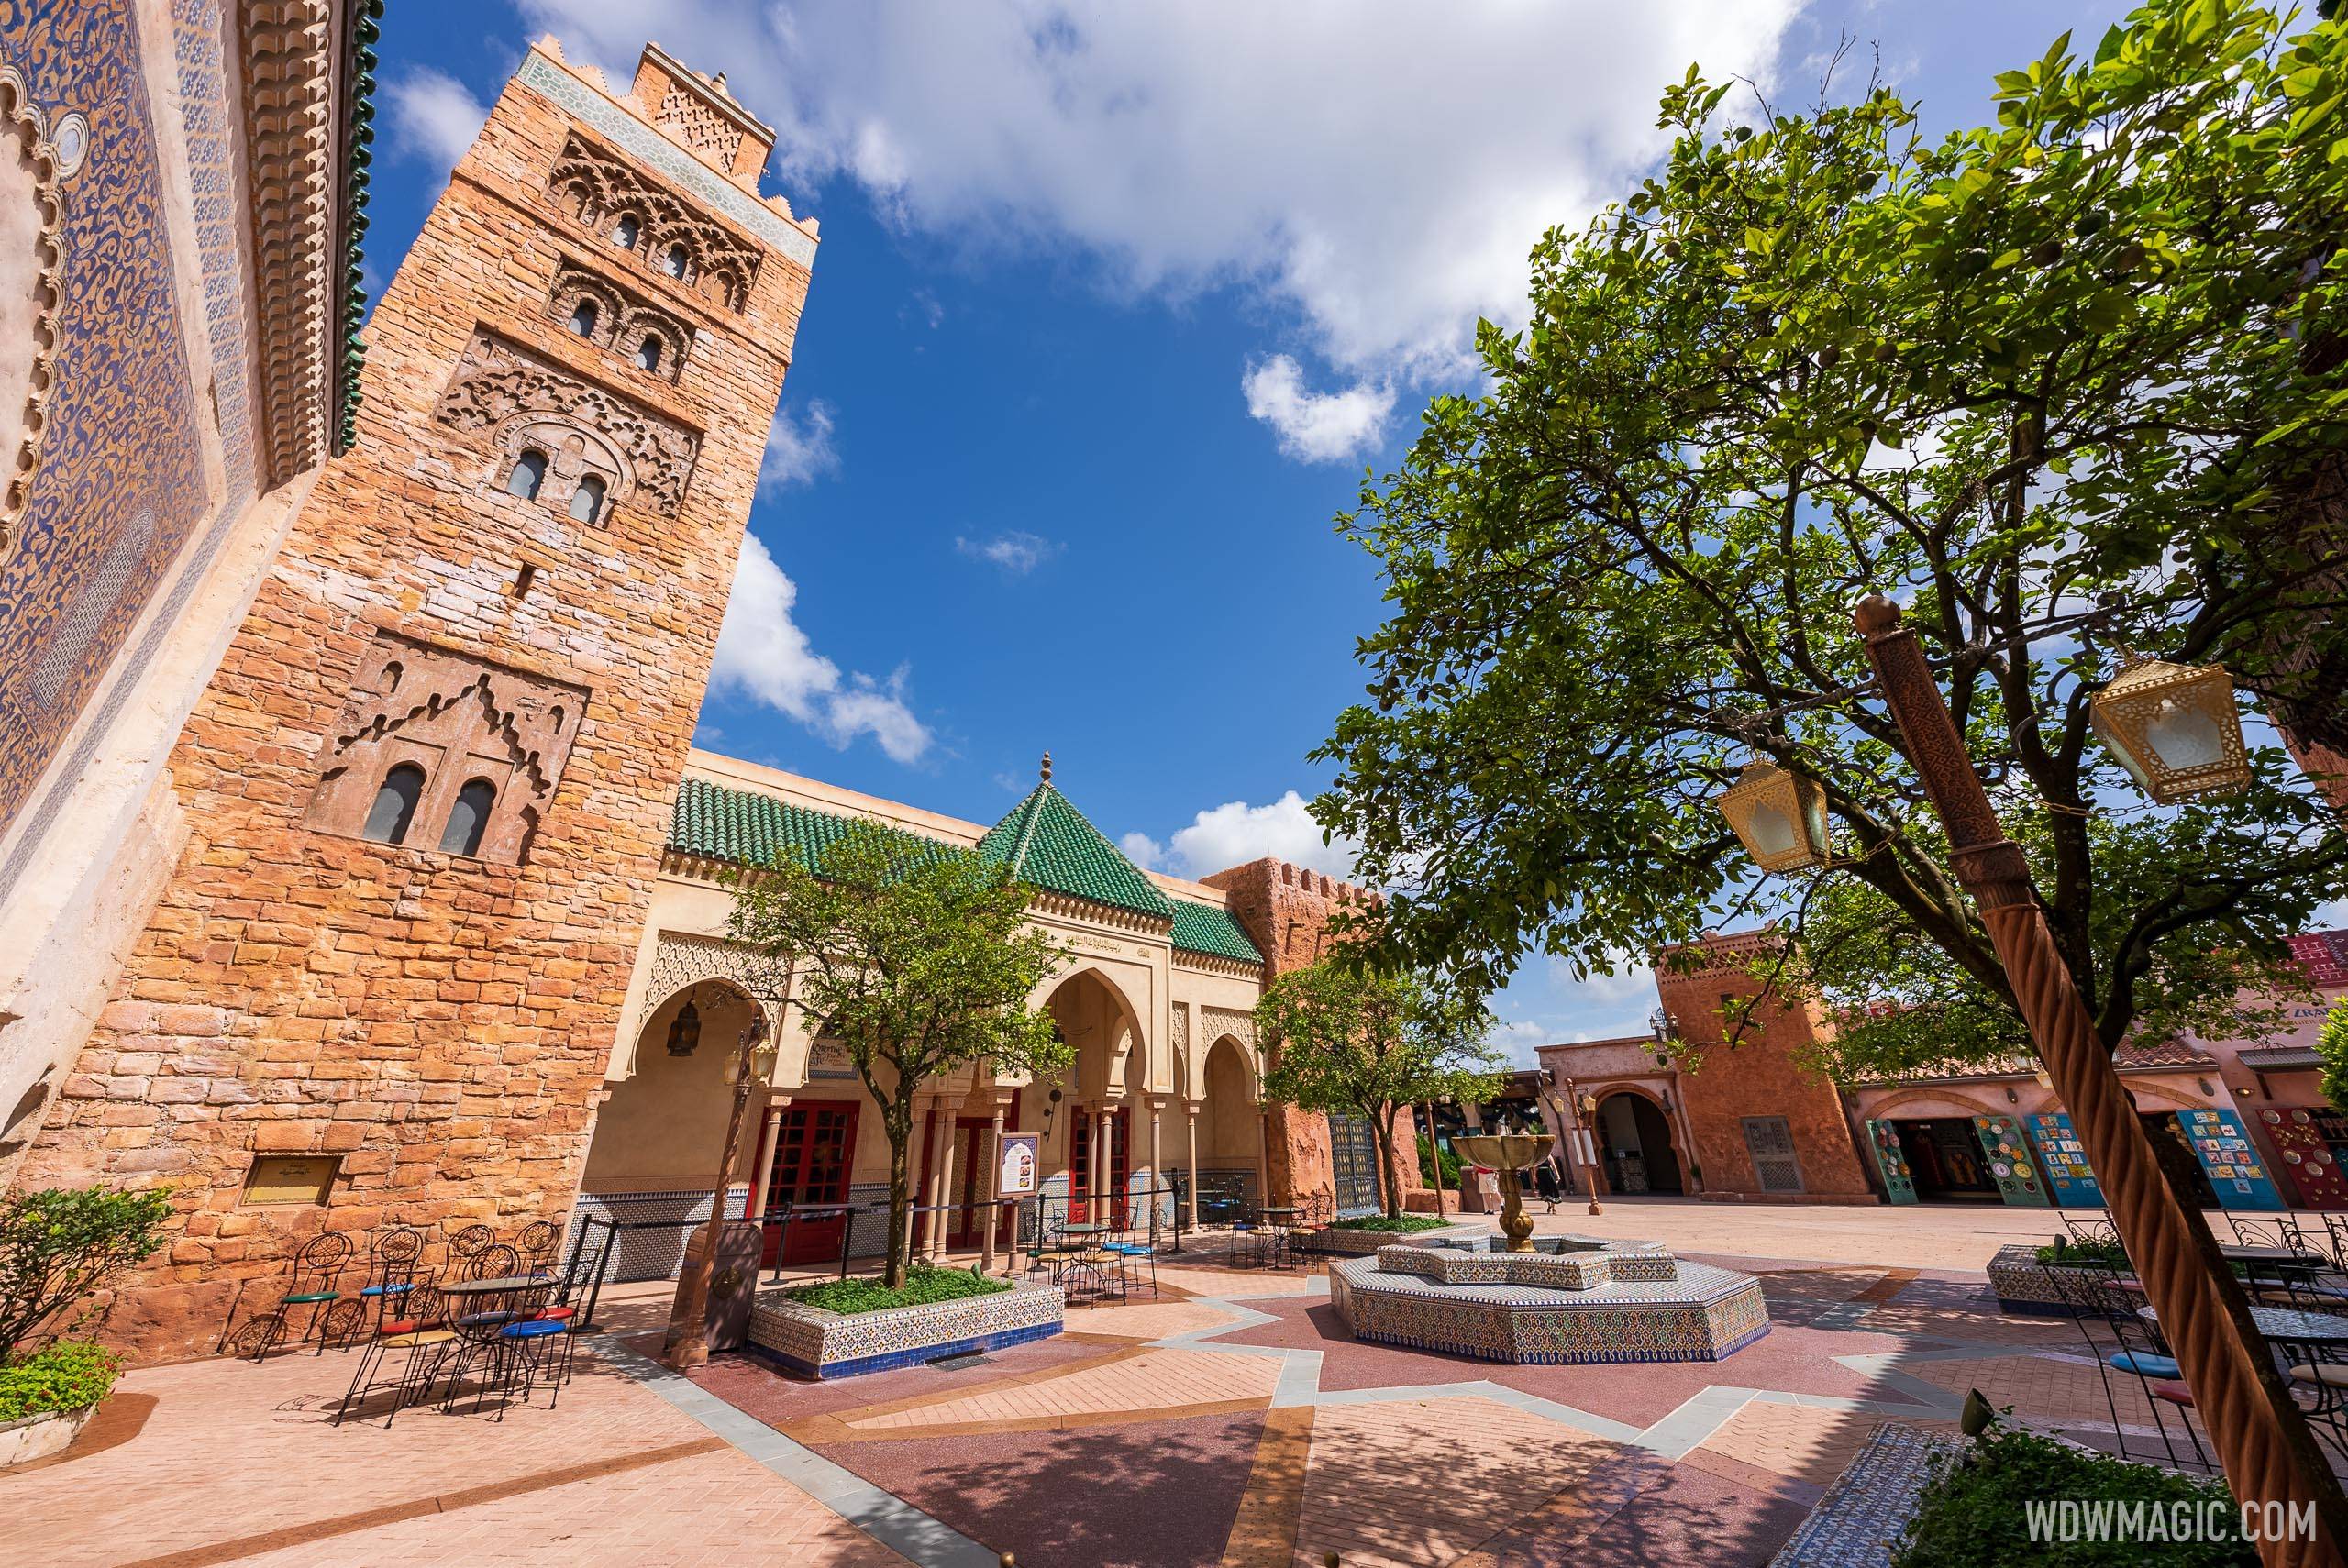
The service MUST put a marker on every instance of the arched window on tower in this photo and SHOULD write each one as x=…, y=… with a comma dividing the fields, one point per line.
x=647, y=353
x=673, y=263
x=624, y=232
x=395, y=807
x=582, y=319
x=587, y=501
x=469, y=819
x=529, y=472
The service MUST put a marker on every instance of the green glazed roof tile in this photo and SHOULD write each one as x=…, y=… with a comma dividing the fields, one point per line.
x=1206, y=928
x=1047, y=843
x=718, y=824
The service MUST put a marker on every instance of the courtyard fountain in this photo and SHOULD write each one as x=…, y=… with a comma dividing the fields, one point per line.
x=1508, y=1152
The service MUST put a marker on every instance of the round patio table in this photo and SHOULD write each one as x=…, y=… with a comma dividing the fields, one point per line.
x=1271, y=1241
x=2284, y=1325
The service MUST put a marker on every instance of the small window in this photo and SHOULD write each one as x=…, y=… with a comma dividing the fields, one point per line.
x=582, y=319
x=673, y=263
x=624, y=232
x=470, y=818
x=648, y=354
x=395, y=805
x=587, y=501
x=529, y=472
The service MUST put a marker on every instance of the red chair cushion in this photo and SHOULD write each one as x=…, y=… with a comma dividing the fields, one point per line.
x=561, y=1314
x=2174, y=1393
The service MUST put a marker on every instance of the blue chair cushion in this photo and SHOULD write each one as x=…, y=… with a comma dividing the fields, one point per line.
x=386, y=1290
x=2143, y=1363
x=536, y=1328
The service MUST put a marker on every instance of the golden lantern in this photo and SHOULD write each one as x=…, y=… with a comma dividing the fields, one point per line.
x=2174, y=727
x=1780, y=817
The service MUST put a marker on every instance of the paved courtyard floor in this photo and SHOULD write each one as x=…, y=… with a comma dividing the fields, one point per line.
x=1232, y=1420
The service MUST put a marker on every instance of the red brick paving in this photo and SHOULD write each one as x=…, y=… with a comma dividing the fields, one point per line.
x=1145, y=1495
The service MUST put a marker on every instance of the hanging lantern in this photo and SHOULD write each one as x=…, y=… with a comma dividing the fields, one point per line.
x=684, y=1031
x=1780, y=817
x=761, y=1053
x=2174, y=727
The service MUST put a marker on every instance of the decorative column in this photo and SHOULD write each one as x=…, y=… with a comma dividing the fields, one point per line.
x=1190, y=1132
x=762, y=1170
x=2259, y=1433
x=948, y=1141
x=991, y=1185
x=1156, y=1165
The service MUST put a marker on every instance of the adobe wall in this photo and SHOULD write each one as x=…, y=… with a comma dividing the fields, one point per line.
x=1756, y=1074
x=1286, y=911
x=437, y=1022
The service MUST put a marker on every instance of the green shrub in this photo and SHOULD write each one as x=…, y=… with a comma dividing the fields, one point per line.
x=2084, y=1254
x=1392, y=1224
x=923, y=1285
x=1974, y=1516
x=71, y=1375
x=1429, y=1157
x=57, y=1247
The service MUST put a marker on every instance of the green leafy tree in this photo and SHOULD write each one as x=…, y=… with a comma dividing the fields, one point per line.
x=2042, y=381
x=1348, y=1039
x=2332, y=1045
x=58, y=1246
x=919, y=958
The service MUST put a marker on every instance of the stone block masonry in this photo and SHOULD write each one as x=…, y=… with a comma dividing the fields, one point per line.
x=434, y=1014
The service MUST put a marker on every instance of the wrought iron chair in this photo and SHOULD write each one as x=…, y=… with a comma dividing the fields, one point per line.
x=422, y=1331
x=2123, y=1342
x=464, y=1244
x=392, y=1273
x=2089, y=1228
x=312, y=1283
x=495, y=1260
x=537, y=1243
x=1133, y=1256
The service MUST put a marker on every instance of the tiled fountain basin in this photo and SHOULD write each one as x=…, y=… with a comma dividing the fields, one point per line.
x=1563, y=1309
x=816, y=1343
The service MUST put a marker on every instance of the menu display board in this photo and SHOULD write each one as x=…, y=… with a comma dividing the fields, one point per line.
x=2065, y=1160
x=2012, y=1163
x=2235, y=1169
x=2304, y=1157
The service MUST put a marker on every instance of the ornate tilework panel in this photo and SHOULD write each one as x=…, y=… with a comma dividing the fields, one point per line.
x=1704, y=1315
x=118, y=490
x=826, y=1344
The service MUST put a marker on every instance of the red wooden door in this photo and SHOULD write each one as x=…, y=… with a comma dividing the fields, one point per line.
x=812, y=1157
x=1079, y=1208
x=970, y=1174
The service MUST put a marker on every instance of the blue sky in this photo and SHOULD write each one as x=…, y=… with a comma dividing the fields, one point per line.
x=1114, y=306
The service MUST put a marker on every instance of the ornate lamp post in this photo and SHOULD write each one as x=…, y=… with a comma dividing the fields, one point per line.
x=1779, y=816
x=2164, y=720
x=688, y=1343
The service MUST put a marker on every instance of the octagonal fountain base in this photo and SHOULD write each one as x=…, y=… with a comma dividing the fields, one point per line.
x=1609, y=1304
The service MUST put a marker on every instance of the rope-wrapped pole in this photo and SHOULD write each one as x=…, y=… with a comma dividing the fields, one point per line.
x=2261, y=1438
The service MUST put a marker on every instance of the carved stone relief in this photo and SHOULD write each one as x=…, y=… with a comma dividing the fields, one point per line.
x=503, y=390
x=597, y=191
x=462, y=720
x=622, y=321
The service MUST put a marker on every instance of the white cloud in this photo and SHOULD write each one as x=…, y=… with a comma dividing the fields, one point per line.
x=1315, y=427
x=433, y=116
x=1236, y=833
x=1017, y=552
x=763, y=655
x=1376, y=169
x=798, y=451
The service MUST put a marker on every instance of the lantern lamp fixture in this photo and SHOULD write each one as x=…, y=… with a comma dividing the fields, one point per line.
x=684, y=1030
x=1779, y=817
x=2174, y=727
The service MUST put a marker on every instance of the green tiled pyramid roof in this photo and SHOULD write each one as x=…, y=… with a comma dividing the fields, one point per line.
x=1047, y=843
x=1207, y=928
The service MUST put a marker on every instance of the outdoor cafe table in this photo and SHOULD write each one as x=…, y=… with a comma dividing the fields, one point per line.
x=1271, y=1216
x=2284, y=1259
x=1086, y=1230
x=2284, y=1325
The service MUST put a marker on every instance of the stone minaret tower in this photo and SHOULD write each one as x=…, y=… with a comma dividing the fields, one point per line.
x=429, y=782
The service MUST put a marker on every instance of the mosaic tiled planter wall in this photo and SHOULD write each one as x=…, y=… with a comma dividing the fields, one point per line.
x=825, y=1344
x=1583, y=1306
x=2023, y=1284
x=1867, y=1508
x=1333, y=1242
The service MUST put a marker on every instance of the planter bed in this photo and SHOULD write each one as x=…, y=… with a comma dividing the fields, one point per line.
x=818, y=1343
x=37, y=1437
x=1866, y=1510
x=1334, y=1242
x=2025, y=1285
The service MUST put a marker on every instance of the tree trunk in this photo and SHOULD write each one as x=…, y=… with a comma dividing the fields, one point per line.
x=901, y=1131
x=1381, y=1125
